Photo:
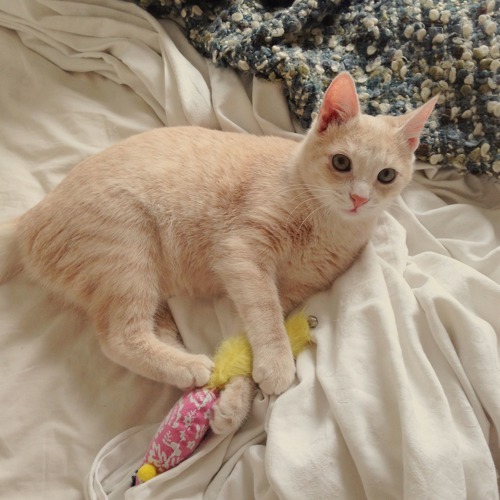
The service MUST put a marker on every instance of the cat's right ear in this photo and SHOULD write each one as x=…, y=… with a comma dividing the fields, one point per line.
x=413, y=123
x=340, y=103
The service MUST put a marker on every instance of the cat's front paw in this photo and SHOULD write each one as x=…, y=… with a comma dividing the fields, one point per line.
x=274, y=372
x=195, y=372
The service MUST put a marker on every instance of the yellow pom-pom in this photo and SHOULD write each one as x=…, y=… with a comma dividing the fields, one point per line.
x=234, y=356
x=299, y=333
x=146, y=472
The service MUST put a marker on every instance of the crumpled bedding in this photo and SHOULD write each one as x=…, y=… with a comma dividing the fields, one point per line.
x=398, y=398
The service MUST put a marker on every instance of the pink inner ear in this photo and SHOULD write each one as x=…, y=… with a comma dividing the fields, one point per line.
x=413, y=143
x=414, y=122
x=340, y=103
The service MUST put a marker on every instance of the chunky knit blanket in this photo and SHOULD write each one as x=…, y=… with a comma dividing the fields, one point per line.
x=400, y=53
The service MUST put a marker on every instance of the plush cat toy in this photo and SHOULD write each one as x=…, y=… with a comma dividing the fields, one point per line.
x=183, y=429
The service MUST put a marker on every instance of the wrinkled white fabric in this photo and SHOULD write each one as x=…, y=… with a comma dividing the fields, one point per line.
x=399, y=398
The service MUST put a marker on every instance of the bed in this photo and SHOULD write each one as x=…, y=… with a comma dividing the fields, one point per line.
x=399, y=397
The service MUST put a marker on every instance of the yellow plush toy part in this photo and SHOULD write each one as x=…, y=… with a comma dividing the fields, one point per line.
x=234, y=356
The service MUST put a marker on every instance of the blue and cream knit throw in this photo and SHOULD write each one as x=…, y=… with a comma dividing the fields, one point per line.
x=400, y=52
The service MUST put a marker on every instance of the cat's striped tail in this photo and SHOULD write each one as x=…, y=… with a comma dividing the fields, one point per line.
x=10, y=262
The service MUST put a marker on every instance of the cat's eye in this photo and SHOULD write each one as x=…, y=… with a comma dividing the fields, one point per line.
x=386, y=176
x=342, y=163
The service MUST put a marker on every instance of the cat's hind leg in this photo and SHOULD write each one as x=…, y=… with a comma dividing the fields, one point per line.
x=166, y=328
x=234, y=403
x=126, y=333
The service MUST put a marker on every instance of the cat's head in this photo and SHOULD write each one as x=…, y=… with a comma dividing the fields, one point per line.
x=356, y=164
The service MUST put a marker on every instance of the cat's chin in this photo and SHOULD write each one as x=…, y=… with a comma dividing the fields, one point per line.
x=353, y=213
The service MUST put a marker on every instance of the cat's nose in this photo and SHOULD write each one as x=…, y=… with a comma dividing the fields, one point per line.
x=357, y=200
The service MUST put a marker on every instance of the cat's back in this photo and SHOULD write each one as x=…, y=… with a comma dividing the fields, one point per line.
x=173, y=147
x=201, y=156
x=179, y=157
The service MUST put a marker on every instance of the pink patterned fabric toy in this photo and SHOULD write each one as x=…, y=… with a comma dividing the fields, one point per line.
x=180, y=433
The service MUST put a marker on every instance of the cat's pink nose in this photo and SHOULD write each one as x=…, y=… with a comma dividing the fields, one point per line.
x=357, y=200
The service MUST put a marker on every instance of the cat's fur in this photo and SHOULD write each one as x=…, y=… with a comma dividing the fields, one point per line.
x=203, y=213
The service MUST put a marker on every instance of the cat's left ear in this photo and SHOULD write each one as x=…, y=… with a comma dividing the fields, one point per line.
x=413, y=123
x=340, y=103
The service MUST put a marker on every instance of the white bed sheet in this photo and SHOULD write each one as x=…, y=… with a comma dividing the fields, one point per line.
x=400, y=396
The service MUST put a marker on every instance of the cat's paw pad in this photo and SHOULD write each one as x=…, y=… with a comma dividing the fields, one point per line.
x=222, y=423
x=274, y=374
x=195, y=373
x=231, y=410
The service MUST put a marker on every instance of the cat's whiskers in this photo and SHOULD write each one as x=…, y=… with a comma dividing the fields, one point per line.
x=316, y=206
x=321, y=207
x=302, y=199
x=300, y=188
x=308, y=200
x=298, y=192
x=303, y=190
x=310, y=192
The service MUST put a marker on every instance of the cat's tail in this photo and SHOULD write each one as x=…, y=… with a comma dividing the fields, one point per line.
x=10, y=259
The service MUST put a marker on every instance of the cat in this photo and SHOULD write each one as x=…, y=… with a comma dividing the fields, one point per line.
x=202, y=213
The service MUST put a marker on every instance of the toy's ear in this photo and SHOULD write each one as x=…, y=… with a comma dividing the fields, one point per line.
x=412, y=123
x=340, y=103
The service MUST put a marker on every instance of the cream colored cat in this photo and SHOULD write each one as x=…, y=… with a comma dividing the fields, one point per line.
x=203, y=213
